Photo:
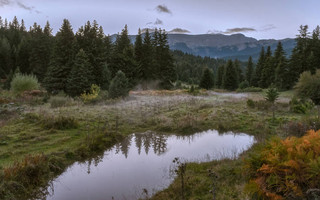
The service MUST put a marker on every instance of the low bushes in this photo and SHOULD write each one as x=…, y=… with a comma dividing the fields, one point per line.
x=250, y=89
x=284, y=169
x=52, y=122
x=60, y=101
x=21, y=83
x=300, y=106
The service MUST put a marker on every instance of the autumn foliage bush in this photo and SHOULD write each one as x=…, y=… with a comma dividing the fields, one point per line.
x=284, y=169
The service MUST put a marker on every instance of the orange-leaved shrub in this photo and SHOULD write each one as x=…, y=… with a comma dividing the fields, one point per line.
x=284, y=169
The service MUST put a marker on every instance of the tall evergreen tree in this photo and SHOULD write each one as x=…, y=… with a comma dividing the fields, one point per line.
x=220, y=76
x=62, y=60
x=281, y=68
x=123, y=58
x=249, y=71
x=78, y=81
x=259, y=67
x=298, y=61
x=147, y=71
x=40, y=50
x=207, y=80
x=164, y=61
x=230, y=78
x=268, y=70
x=237, y=66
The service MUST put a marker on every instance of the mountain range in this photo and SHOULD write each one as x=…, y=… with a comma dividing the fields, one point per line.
x=223, y=46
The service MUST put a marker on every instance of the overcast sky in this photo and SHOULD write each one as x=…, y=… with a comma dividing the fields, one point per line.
x=261, y=19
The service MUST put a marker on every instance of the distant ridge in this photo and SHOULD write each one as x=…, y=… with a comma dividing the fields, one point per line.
x=223, y=46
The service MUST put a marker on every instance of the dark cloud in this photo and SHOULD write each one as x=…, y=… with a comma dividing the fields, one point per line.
x=268, y=27
x=4, y=3
x=239, y=30
x=163, y=9
x=179, y=30
x=19, y=4
x=232, y=30
x=29, y=8
x=158, y=22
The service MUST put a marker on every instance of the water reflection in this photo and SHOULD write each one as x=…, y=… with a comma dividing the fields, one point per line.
x=141, y=162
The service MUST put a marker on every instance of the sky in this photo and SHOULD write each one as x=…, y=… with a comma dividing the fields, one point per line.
x=261, y=19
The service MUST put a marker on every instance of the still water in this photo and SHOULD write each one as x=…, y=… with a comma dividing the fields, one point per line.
x=143, y=162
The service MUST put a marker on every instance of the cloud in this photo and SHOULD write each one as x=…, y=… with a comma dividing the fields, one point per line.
x=239, y=30
x=179, y=30
x=158, y=22
x=4, y=3
x=19, y=4
x=29, y=8
x=267, y=27
x=232, y=30
x=163, y=9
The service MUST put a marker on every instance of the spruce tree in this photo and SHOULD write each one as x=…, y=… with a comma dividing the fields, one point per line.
x=40, y=50
x=281, y=71
x=230, y=78
x=78, y=81
x=220, y=76
x=123, y=58
x=207, y=79
x=146, y=65
x=62, y=59
x=249, y=71
x=237, y=66
x=268, y=70
x=164, y=61
x=258, y=70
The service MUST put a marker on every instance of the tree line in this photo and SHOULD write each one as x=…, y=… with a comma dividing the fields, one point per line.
x=72, y=62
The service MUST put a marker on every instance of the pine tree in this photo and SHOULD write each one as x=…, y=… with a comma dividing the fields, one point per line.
x=78, y=81
x=237, y=66
x=123, y=58
x=220, y=76
x=298, y=61
x=164, y=60
x=119, y=86
x=147, y=71
x=249, y=71
x=62, y=60
x=40, y=50
x=268, y=70
x=207, y=79
x=259, y=67
x=281, y=71
x=230, y=78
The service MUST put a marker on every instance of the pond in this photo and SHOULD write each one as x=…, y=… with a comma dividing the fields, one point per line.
x=143, y=162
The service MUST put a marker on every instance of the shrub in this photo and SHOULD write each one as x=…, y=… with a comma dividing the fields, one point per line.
x=60, y=101
x=300, y=106
x=92, y=95
x=22, y=82
x=119, y=86
x=284, y=169
x=243, y=85
x=60, y=123
x=250, y=103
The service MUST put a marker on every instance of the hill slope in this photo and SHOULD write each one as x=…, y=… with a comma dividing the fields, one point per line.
x=222, y=46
